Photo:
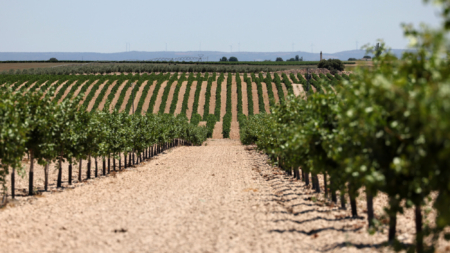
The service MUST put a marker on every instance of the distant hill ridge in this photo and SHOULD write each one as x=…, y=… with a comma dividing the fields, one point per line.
x=207, y=55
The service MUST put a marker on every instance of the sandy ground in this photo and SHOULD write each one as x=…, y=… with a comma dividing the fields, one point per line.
x=201, y=99
x=59, y=88
x=32, y=87
x=97, y=92
x=298, y=90
x=138, y=95
x=244, y=97
x=256, y=108
x=212, y=100
x=50, y=86
x=105, y=98
x=78, y=89
x=285, y=91
x=159, y=97
x=275, y=93
x=35, y=65
x=170, y=97
x=191, y=99
x=219, y=197
x=88, y=90
x=127, y=97
x=217, y=132
x=265, y=97
x=234, y=130
x=67, y=91
x=223, y=98
x=20, y=86
x=149, y=97
x=116, y=97
x=180, y=97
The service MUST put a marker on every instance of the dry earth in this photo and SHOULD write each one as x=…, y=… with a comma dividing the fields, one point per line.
x=219, y=197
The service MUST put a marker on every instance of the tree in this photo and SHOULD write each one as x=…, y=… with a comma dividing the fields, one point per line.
x=331, y=64
x=279, y=59
x=297, y=58
x=223, y=59
x=351, y=59
x=367, y=57
x=292, y=59
x=232, y=58
x=53, y=59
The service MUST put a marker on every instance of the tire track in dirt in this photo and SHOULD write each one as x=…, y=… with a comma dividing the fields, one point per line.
x=149, y=97
x=256, y=108
x=212, y=101
x=180, y=97
x=170, y=97
x=191, y=99
x=116, y=97
x=138, y=96
x=265, y=97
x=234, y=130
x=105, y=98
x=97, y=92
x=201, y=99
x=159, y=97
x=244, y=96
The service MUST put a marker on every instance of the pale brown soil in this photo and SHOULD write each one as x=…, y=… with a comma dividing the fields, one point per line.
x=298, y=90
x=234, y=130
x=116, y=97
x=50, y=87
x=170, y=98
x=67, y=91
x=202, y=123
x=20, y=86
x=244, y=97
x=191, y=99
x=88, y=90
x=105, y=98
x=266, y=97
x=285, y=91
x=275, y=93
x=31, y=87
x=223, y=98
x=256, y=108
x=127, y=96
x=217, y=132
x=219, y=197
x=77, y=91
x=212, y=100
x=159, y=97
x=138, y=96
x=92, y=102
x=148, y=98
x=201, y=99
x=180, y=97
x=58, y=88
x=8, y=66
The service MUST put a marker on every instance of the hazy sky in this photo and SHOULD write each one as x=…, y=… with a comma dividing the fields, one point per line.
x=249, y=25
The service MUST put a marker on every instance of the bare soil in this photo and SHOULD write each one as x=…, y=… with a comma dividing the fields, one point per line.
x=285, y=91
x=8, y=66
x=191, y=99
x=97, y=92
x=127, y=97
x=223, y=98
x=265, y=97
x=275, y=93
x=170, y=98
x=180, y=97
x=217, y=132
x=58, y=88
x=212, y=100
x=105, y=98
x=256, y=108
x=234, y=130
x=201, y=99
x=114, y=101
x=244, y=97
x=77, y=91
x=148, y=98
x=219, y=197
x=159, y=97
x=67, y=91
x=138, y=96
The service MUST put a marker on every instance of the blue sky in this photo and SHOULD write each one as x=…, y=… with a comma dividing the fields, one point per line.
x=245, y=25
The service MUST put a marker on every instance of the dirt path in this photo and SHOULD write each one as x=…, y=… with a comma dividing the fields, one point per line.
x=285, y=91
x=219, y=197
x=256, y=108
x=201, y=99
x=116, y=97
x=212, y=100
x=223, y=98
x=170, y=98
x=234, y=131
x=97, y=92
x=217, y=132
x=149, y=97
x=159, y=97
x=244, y=96
x=105, y=98
x=191, y=99
x=275, y=93
x=265, y=97
x=88, y=90
x=180, y=97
